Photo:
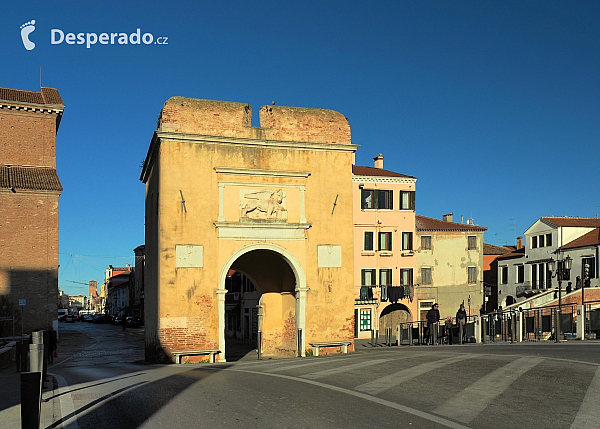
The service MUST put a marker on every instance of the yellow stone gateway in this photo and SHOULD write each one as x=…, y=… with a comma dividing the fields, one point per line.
x=247, y=229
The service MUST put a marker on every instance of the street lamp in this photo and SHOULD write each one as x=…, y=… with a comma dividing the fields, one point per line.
x=560, y=268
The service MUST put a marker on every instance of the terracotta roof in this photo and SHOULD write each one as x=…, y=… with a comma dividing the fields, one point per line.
x=573, y=221
x=490, y=249
x=515, y=254
x=358, y=170
x=34, y=178
x=45, y=96
x=429, y=224
x=592, y=238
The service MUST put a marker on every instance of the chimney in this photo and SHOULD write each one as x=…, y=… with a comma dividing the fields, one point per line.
x=379, y=161
x=448, y=217
x=519, y=242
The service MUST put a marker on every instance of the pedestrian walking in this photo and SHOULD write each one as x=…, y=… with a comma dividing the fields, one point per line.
x=461, y=320
x=433, y=317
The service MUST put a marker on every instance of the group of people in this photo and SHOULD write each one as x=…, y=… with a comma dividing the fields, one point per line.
x=433, y=317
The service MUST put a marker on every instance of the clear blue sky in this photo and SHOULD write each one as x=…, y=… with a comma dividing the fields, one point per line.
x=493, y=106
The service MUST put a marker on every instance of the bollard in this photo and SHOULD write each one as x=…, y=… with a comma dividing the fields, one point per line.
x=30, y=400
x=36, y=357
x=46, y=338
x=372, y=337
x=259, y=339
x=299, y=342
x=398, y=335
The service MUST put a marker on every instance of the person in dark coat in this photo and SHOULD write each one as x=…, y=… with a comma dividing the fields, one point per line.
x=461, y=320
x=52, y=346
x=433, y=317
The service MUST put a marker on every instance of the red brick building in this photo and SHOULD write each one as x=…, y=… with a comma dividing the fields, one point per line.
x=29, y=192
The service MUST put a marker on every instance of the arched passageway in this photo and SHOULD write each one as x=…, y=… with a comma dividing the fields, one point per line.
x=393, y=315
x=266, y=296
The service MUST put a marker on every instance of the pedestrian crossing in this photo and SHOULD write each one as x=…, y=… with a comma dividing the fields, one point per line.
x=483, y=384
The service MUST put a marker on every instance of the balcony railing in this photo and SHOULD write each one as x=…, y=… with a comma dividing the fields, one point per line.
x=375, y=293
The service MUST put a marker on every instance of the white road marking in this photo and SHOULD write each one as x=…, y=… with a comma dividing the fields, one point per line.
x=587, y=416
x=366, y=397
x=345, y=368
x=466, y=405
x=391, y=380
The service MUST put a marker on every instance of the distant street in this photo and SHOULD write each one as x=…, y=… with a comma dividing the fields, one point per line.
x=103, y=383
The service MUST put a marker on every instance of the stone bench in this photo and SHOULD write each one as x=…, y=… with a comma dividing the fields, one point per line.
x=342, y=344
x=210, y=352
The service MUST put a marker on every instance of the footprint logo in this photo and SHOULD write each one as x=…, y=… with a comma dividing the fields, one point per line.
x=26, y=30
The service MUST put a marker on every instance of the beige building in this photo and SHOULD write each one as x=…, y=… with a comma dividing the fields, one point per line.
x=384, y=256
x=450, y=265
x=273, y=203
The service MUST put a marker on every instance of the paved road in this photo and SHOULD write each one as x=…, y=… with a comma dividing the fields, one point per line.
x=103, y=384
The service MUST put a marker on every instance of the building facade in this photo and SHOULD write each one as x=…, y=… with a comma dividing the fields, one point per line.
x=29, y=193
x=449, y=266
x=526, y=273
x=384, y=256
x=272, y=202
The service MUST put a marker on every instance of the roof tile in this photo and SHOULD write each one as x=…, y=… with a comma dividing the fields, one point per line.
x=358, y=170
x=47, y=96
x=429, y=224
x=574, y=221
x=592, y=238
x=33, y=178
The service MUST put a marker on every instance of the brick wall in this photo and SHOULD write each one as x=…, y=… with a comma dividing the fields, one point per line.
x=27, y=138
x=29, y=254
x=229, y=119
x=29, y=217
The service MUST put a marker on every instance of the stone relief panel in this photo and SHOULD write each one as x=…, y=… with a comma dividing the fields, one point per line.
x=266, y=204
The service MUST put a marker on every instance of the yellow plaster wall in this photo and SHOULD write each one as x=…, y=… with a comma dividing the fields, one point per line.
x=186, y=300
x=449, y=260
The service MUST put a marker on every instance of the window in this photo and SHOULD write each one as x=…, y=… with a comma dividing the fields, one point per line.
x=472, y=272
x=534, y=243
x=365, y=319
x=534, y=283
x=407, y=241
x=376, y=199
x=368, y=241
x=520, y=274
x=385, y=241
x=426, y=242
x=549, y=239
x=426, y=276
x=367, y=277
x=472, y=242
x=366, y=199
x=385, y=277
x=407, y=200
x=591, y=267
x=406, y=276
x=541, y=240
x=504, y=275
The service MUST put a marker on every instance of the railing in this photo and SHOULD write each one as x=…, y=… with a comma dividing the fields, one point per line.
x=375, y=292
x=531, y=324
x=417, y=333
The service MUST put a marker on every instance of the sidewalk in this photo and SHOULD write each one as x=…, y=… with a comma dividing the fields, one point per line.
x=10, y=399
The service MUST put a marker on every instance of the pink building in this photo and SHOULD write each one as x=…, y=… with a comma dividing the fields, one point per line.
x=384, y=258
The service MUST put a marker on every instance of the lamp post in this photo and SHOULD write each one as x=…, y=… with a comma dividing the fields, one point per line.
x=560, y=267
